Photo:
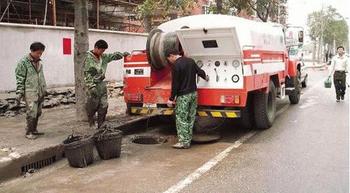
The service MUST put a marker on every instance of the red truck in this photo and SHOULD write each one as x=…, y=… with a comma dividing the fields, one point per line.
x=247, y=63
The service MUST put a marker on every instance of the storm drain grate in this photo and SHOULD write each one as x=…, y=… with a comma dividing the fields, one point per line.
x=38, y=164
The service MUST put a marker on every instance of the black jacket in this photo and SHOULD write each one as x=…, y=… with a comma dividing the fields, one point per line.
x=184, y=77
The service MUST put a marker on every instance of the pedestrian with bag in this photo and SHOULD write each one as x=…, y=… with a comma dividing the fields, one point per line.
x=339, y=68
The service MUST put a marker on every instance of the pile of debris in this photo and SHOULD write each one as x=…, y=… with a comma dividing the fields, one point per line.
x=54, y=97
x=9, y=107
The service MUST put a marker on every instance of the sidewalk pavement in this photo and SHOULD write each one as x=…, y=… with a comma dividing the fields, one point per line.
x=57, y=123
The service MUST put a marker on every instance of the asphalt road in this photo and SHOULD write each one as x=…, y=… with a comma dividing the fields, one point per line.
x=306, y=150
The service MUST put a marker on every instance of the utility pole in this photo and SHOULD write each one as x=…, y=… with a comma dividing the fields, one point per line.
x=53, y=12
x=98, y=14
x=81, y=46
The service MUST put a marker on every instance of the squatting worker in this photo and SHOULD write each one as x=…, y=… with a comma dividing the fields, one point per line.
x=95, y=66
x=31, y=87
x=184, y=90
x=339, y=66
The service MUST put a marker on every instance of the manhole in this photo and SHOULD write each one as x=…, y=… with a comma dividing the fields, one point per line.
x=148, y=140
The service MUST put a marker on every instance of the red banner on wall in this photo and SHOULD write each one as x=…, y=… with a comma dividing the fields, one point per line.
x=67, y=46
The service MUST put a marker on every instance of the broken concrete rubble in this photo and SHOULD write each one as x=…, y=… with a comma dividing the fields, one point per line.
x=54, y=98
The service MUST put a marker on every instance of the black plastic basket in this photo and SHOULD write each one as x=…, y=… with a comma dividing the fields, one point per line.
x=108, y=143
x=79, y=151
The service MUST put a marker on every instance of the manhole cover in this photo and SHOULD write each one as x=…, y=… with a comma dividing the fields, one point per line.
x=148, y=140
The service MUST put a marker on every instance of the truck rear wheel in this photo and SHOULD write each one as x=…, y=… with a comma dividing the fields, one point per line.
x=265, y=108
x=247, y=114
x=294, y=96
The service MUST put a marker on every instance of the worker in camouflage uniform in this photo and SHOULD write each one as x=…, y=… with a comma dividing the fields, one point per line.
x=94, y=72
x=31, y=87
x=184, y=90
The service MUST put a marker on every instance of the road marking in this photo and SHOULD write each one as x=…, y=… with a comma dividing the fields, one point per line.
x=214, y=161
x=208, y=165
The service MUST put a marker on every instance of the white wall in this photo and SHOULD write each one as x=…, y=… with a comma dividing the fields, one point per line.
x=15, y=40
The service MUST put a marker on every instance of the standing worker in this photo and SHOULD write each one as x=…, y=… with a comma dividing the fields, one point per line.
x=184, y=89
x=339, y=67
x=95, y=66
x=31, y=87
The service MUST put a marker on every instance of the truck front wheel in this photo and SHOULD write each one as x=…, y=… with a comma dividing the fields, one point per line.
x=294, y=96
x=265, y=108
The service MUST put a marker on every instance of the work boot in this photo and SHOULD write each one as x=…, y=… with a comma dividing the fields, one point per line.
x=338, y=98
x=30, y=135
x=35, y=129
x=101, y=117
x=181, y=146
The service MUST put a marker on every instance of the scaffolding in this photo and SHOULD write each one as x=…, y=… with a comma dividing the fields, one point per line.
x=103, y=14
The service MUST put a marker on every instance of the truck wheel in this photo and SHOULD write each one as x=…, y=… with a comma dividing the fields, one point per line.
x=304, y=83
x=294, y=96
x=129, y=105
x=247, y=114
x=265, y=108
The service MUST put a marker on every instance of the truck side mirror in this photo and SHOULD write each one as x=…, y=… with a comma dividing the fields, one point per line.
x=301, y=36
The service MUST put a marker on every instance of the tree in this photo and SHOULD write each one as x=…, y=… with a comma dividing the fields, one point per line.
x=81, y=45
x=266, y=8
x=327, y=27
x=166, y=9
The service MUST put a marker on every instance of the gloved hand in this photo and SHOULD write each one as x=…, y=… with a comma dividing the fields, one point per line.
x=18, y=99
x=170, y=103
x=207, y=78
x=126, y=54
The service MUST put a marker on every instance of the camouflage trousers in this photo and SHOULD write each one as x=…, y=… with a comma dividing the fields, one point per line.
x=97, y=102
x=185, y=110
x=33, y=112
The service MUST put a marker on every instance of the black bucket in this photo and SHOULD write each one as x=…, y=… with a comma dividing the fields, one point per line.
x=108, y=143
x=79, y=151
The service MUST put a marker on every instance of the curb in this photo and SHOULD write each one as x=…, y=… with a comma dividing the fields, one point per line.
x=45, y=157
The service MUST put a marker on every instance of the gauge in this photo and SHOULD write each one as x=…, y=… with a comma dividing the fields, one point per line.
x=235, y=78
x=235, y=63
x=200, y=63
x=217, y=63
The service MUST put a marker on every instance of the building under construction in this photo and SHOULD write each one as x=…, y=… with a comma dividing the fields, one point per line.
x=103, y=14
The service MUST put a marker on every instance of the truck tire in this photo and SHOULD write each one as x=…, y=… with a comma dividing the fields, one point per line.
x=129, y=105
x=265, y=108
x=294, y=96
x=247, y=114
x=304, y=83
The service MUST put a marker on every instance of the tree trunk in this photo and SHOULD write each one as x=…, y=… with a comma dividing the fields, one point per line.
x=148, y=23
x=319, y=50
x=81, y=45
x=219, y=6
x=314, y=52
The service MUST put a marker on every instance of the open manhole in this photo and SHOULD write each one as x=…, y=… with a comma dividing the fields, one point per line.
x=148, y=140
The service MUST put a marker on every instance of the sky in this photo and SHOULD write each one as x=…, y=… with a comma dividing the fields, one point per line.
x=298, y=10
